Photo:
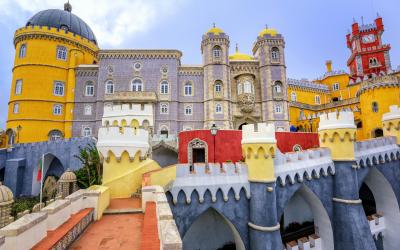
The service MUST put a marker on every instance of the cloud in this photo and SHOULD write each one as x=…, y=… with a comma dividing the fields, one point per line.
x=112, y=21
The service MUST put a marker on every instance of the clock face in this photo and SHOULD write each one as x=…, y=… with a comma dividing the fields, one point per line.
x=368, y=38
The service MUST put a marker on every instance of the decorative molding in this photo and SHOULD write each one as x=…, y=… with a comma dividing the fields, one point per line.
x=350, y=202
x=264, y=229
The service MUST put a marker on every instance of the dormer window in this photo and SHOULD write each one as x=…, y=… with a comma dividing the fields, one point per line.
x=217, y=52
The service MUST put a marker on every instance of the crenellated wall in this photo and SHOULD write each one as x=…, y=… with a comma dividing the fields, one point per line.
x=128, y=115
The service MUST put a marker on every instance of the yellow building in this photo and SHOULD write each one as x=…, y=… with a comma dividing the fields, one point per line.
x=48, y=49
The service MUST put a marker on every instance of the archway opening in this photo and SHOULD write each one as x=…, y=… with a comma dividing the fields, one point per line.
x=211, y=230
x=368, y=200
x=51, y=172
x=305, y=222
x=241, y=125
x=377, y=133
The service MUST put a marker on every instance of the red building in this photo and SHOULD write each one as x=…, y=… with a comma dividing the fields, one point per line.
x=368, y=55
x=202, y=146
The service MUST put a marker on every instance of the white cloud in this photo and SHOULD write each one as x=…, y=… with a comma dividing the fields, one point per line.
x=112, y=21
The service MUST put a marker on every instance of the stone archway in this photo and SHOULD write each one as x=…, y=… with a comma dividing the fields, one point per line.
x=196, y=145
x=51, y=166
x=305, y=208
x=386, y=205
x=212, y=230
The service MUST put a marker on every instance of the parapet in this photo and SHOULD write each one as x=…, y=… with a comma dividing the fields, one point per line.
x=393, y=114
x=258, y=133
x=128, y=115
x=333, y=120
x=376, y=151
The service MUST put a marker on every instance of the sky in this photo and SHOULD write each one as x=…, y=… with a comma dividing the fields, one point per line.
x=314, y=30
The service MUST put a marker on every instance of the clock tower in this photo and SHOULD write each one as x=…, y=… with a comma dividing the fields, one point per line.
x=369, y=57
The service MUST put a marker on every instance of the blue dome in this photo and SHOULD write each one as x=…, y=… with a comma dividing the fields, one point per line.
x=62, y=19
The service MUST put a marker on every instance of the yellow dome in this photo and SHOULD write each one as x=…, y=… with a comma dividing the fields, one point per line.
x=268, y=31
x=215, y=30
x=240, y=56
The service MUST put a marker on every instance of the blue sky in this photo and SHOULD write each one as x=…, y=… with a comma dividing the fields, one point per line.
x=314, y=30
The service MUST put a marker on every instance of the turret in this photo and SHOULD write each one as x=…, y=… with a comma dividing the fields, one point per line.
x=258, y=149
x=391, y=122
x=338, y=132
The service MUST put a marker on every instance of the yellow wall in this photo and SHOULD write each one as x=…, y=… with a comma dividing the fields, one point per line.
x=340, y=142
x=162, y=177
x=103, y=201
x=343, y=81
x=260, y=161
x=38, y=70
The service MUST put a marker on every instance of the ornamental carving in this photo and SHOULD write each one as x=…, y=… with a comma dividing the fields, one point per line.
x=246, y=102
x=197, y=143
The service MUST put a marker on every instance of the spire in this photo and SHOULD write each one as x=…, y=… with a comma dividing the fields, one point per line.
x=213, y=25
x=237, y=48
x=68, y=6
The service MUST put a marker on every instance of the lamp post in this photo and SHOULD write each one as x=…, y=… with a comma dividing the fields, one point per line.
x=214, y=131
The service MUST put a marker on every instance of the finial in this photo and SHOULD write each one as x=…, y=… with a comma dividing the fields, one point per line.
x=213, y=25
x=68, y=6
x=237, y=48
x=266, y=26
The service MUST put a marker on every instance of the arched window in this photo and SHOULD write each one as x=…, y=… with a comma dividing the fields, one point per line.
x=164, y=131
x=16, y=108
x=218, y=87
x=137, y=85
x=61, y=53
x=18, y=87
x=239, y=88
x=278, y=88
x=89, y=89
x=317, y=99
x=188, y=91
x=109, y=87
x=22, y=51
x=164, y=108
x=278, y=108
x=275, y=55
x=188, y=110
x=218, y=108
x=11, y=137
x=55, y=135
x=375, y=107
x=87, y=131
x=247, y=87
x=217, y=52
x=293, y=96
x=164, y=87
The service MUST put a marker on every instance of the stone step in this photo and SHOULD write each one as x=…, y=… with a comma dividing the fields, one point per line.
x=123, y=211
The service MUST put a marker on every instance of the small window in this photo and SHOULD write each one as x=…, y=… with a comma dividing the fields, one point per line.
x=278, y=108
x=87, y=131
x=61, y=53
x=164, y=86
x=22, y=51
x=188, y=89
x=317, y=99
x=55, y=135
x=18, y=87
x=137, y=85
x=278, y=88
x=247, y=87
x=58, y=88
x=240, y=88
x=336, y=86
x=188, y=110
x=217, y=52
x=109, y=87
x=57, y=109
x=89, y=91
x=88, y=110
x=16, y=108
x=218, y=87
x=375, y=107
x=218, y=109
x=293, y=96
x=275, y=55
x=164, y=108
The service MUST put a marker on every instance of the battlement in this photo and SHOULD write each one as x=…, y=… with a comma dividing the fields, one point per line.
x=117, y=140
x=393, y=114
x=307, y=164
x=212, y=178
x=375, y=151
x=258, y=133
x=336, y=121
x=123, y=115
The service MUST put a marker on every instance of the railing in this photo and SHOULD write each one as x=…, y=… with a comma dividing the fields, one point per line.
x=132, y=96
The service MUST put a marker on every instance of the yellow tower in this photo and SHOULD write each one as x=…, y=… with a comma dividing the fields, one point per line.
x=258, y=149
x=338, y=133
x=391, y=122
x=376, y=95
x=48, y=49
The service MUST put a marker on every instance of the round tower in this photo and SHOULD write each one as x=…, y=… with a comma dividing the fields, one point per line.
x=391, y=122
x=376, y=96
x=49, y=47
x=215, y=54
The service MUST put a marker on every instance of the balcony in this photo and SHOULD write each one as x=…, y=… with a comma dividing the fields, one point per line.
x=132, y=96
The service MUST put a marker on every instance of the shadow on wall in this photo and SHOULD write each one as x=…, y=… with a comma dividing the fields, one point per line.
x=164, y=156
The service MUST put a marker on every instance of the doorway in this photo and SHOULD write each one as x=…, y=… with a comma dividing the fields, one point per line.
x=199, y=155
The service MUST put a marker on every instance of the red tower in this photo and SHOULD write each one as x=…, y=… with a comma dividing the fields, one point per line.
x=369, y=57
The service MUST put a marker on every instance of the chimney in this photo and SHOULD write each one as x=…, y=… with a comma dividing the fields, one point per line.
x=328, y=66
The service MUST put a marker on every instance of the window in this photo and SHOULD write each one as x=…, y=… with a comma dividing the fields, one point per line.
x=61, y=53
x=87, y=131
x=57, y=109
x=164, y=108
x=18, y=87
x=55, y=135
x=247, y=87
x=317, y=99
x=164, y=87
x=278, y=108
x=278, y=88
x=217, y=52
x=188, y=110
x=218, y=109
x=89, y=91
x=375, y=107
x=218, y=87
x=16, y=108
x=373, y=62
x=88, y=110
x=275, y=54
x=109, y=87
x=137, y=85
x=293, y=96
x=336, y=86
x=188, y=89
x=58, y=88
x=22, y=51
x=239, y=88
